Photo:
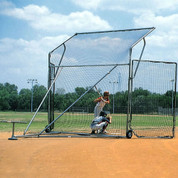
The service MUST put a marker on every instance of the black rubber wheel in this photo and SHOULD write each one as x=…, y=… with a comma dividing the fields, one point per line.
x=48, y=129
x=129, y=134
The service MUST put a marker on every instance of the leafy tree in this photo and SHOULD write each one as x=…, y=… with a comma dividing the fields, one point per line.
x=13, y=100
x=79, y=91
x=59, y=102
x=11, y=88
x=60, y=91
x=39, y=92
x=8, y=97
x=4, y=100
x=143, y=101
x=24, y=100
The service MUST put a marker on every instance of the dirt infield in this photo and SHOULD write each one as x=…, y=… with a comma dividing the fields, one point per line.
x=88, y=157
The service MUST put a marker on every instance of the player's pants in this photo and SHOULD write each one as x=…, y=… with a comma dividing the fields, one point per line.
x=95, y=126
x=97, y=111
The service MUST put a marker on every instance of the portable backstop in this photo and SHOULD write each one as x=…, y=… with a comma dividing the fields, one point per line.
x=87, y=64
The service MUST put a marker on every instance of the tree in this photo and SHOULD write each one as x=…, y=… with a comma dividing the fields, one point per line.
x=8, y=97
x=79, y=91
x=140, y=100
x=143, y=101
x=60, y=91
x=13, y=100
x=24, y=99
x=59, y=102
x=11, y=88
x=39, y=92
x=121, y=101
x=4, y=100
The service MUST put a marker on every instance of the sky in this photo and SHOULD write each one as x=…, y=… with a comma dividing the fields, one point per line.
x=30, y=29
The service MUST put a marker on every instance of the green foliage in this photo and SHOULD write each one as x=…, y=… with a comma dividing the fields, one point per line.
x=4, y=97
x=38, y=94
x=24, y=100
x=8, y=97
x=143, y=101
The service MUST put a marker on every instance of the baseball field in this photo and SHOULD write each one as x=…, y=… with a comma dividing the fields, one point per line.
x=85, y=157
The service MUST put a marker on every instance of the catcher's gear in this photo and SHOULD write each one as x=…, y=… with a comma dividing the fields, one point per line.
x=102, y=113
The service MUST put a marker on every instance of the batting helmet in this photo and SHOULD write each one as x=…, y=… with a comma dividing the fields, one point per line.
x=106, y=93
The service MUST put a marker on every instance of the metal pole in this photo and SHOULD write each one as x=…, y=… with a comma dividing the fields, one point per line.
x=32, y=98
x=172, y=95
x=42, y=101
x=129, y=92
x=113, y=97
x=144, y=44
x=174, y=103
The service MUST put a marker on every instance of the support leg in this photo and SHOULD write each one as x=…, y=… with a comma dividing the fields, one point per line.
x=13, y=137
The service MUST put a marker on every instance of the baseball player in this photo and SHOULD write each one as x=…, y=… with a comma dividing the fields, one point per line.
x=101, y=101
x=100, y=123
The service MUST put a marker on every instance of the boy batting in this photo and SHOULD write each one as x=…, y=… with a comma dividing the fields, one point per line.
x=101, y=102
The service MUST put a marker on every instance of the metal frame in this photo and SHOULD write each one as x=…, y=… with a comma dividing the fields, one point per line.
x=174, y=96
x=130, y=80
x=109, y=31
x=51, y=94
x=130, y=77
x=130, y=59
x=174, y=102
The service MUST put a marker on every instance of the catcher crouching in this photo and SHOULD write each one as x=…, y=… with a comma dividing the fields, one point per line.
x=100, y=123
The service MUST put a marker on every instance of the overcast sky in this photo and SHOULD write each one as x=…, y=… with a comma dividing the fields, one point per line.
x=31, y=28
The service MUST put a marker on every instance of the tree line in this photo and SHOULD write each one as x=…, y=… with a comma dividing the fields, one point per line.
x=142, y=100
x=11, y=99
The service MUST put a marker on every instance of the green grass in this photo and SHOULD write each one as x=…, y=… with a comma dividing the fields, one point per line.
x=39, y=123
x=76, y=122
x=152, y=121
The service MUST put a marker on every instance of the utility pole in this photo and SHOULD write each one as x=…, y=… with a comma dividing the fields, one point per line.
x=32, y=81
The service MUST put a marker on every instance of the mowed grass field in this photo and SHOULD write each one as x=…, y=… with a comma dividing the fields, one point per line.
x=40, y=121
x=79, y=121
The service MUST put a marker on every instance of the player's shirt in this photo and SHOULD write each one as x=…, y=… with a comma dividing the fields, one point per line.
x=101, y=103
x=99, y=119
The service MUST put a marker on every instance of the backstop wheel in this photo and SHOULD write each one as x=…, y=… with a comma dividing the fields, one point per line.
x=48, y=129
x=129, y=134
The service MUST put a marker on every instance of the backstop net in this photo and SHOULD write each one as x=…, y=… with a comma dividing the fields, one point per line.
x=142, y=93
x=76, y=84
x=153, y=99
x=85, y=66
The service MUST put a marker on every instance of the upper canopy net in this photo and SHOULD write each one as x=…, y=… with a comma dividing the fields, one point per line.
x=96, y=48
